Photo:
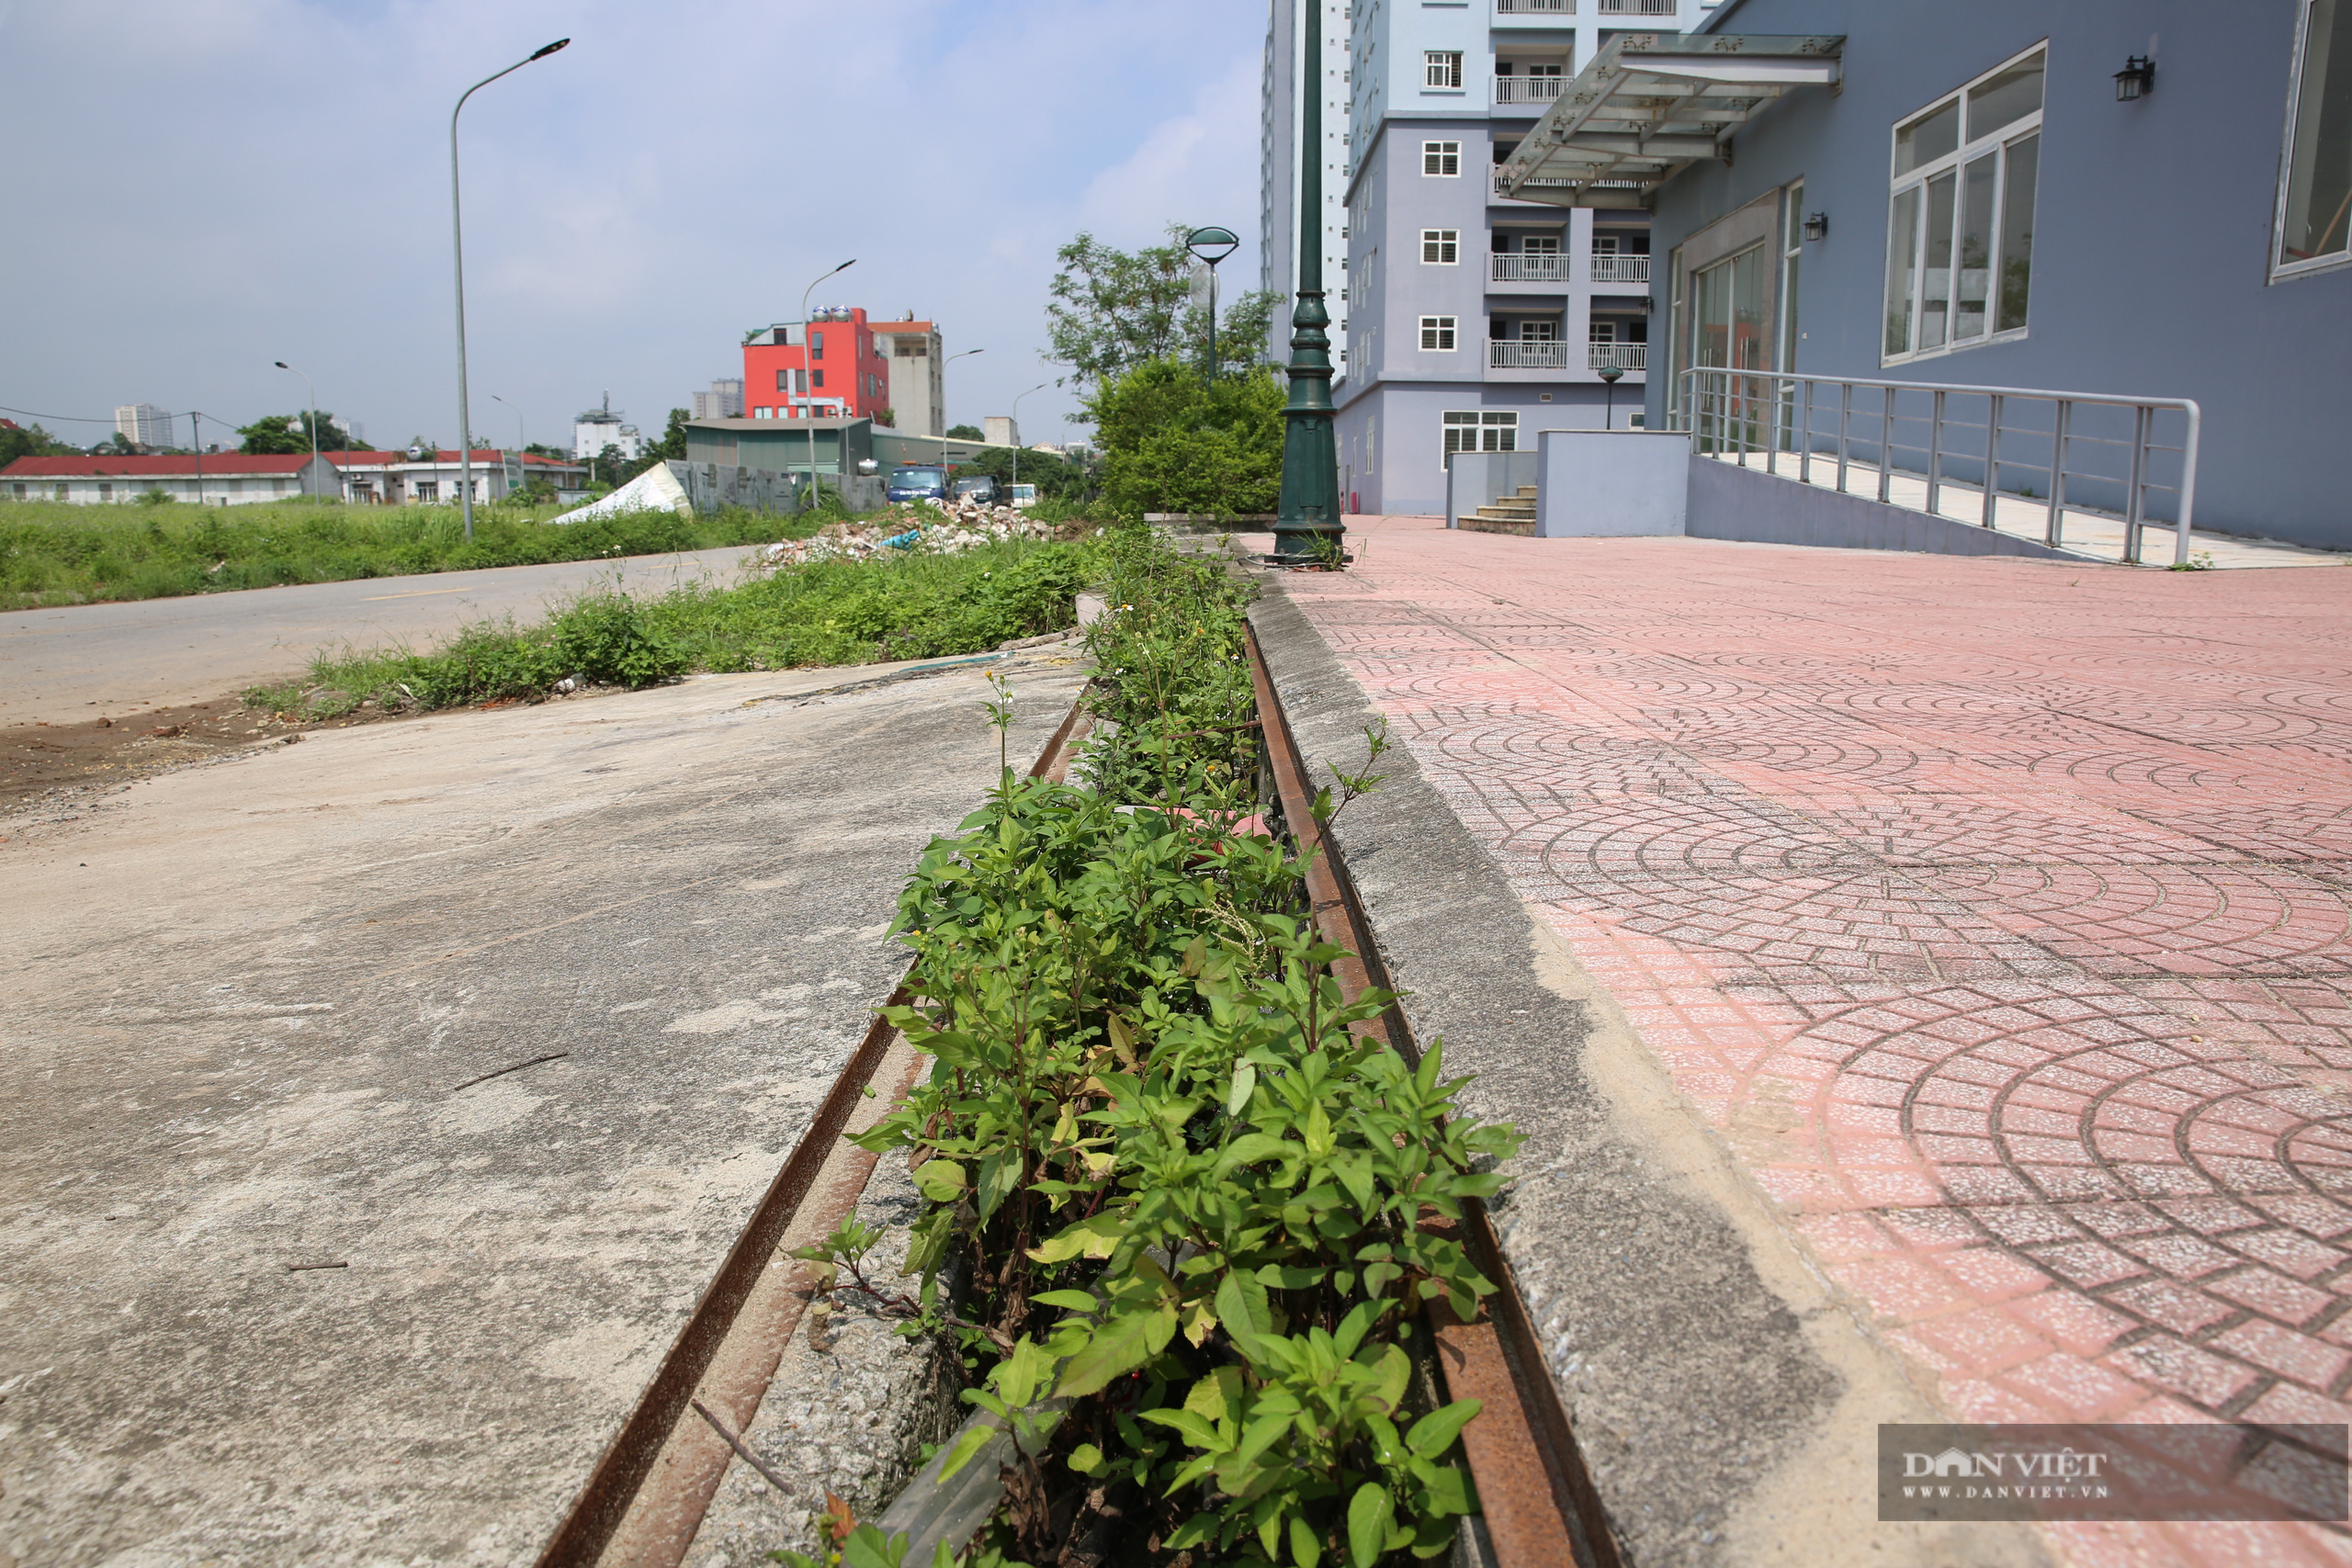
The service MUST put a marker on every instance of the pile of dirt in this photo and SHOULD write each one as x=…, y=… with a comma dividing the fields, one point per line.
x=35, y=757
x=960, y=526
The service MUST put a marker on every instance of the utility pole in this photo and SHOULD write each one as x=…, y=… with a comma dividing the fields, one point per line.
x=314, y=416
x=809, y=383
x=195, y=428
x=457, y=248
x=1307, y=522
x=1016, y=434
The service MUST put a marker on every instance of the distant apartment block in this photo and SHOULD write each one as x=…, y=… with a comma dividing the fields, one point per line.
x=829, y=367
x=144, y=424
x=1461, y=320
x=917, y=395
x=1001, y=430
x=724, y=400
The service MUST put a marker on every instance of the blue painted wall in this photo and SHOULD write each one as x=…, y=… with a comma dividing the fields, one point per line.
x=2152, y=228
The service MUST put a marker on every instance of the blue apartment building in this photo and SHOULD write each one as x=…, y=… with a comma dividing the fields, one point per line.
x=1465, y=321
x=2151, y=199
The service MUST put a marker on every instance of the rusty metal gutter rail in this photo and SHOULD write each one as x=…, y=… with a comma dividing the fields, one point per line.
x=1540, y=1508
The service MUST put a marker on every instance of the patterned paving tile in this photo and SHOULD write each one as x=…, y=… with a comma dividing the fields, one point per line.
x=2006, y=941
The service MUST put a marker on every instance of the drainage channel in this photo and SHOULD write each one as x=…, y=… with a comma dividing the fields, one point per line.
x=647, y=1497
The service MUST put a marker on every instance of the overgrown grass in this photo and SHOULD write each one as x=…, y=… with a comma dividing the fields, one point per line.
x=58, y=553
x=824, y=612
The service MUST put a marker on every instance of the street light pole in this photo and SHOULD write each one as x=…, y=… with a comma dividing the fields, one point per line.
x=313, y=394
x=809, y=377
x=1307, y=519
x=943, y=398
x=1608, y=376
x=457, y=250
x=1016, y=432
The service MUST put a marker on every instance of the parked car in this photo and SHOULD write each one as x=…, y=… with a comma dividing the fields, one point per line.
x=1024, y=495
x=982, y=490
x=917, y=481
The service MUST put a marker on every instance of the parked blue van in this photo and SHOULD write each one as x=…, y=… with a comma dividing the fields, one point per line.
x=918, y=483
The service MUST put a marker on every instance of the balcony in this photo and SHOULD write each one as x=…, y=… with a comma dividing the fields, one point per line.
x=1543, y=183
x=1535, y=8
x=1635, y=7
x=1621, y=269
x=1528, y=89
x=1618, y=356
x=1531, y=267
x=1519, y=353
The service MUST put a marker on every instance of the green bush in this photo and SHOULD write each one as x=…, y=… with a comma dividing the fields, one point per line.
x=1172, y=443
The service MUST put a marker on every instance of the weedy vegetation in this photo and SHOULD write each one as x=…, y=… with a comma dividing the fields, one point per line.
x=1184, y=1205
x=58, y=553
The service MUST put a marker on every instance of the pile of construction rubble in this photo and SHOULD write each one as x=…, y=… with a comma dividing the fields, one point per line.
x=932, y=530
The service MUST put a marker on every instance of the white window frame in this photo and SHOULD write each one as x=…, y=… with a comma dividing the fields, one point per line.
x=1441, y=69
x=1441, y=160
x=1445, y=329
x=2327, y=261
x=1440, y=247
x=1998, y=142
x=1486, y=430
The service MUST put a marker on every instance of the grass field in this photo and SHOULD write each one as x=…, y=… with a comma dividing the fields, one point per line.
x=57, y=553
x=824, y=612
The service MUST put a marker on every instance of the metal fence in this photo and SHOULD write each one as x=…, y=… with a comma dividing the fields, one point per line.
x=2132, y=458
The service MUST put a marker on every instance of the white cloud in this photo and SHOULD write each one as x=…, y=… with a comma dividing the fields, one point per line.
x=218, y=184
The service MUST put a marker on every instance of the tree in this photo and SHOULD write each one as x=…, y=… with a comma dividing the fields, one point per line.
x=541, y=449
x=966, y=432
x=1170, y=442
x=288, y=435
x=274, y=436
x=30, y=441
x=1111, y=310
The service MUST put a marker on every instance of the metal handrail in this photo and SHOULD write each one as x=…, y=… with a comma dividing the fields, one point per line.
x=1739, y=413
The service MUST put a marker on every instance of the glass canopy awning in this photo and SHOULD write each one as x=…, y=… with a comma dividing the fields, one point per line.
x=1652, y=103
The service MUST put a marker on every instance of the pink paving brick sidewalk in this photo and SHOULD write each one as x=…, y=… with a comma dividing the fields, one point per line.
x=1994, y=912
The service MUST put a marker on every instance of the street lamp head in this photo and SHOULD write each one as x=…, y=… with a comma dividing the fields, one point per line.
x=1611, y=374
x=283, y=365
x=550, y=48
x=1211, y=244
x=845, y=266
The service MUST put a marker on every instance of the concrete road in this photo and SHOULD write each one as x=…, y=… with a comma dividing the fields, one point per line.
x=278, y=1283
x=160, y=652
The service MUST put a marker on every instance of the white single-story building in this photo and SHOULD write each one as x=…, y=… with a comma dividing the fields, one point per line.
x=228, y=479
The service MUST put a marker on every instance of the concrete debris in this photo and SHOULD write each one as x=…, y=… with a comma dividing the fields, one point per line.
x=931, y=530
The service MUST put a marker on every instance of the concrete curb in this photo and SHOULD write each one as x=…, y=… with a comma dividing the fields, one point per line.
x=1725, y=1397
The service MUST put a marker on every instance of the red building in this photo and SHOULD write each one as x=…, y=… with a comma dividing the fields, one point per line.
x=832, y=363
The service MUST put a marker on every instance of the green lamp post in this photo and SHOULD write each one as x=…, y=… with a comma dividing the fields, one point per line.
x=1306, y=520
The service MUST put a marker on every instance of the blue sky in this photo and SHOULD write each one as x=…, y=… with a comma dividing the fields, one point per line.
x=203, y=187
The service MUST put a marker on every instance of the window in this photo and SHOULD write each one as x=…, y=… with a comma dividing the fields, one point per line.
x=1960, y=225
x=1442, y=68
x=20, y=492
x=816, y=345
x=106, y=492
x=1440, y=247
x=62, y=492
x=2315, y=199
x=1539, y=330
x=1481, y=429
x=1442, y=158
x=428, y=490
x=1437, y=331
x=818, y=377
x=1540, y=245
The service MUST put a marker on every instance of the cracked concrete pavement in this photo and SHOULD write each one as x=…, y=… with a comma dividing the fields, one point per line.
x=274, y=1287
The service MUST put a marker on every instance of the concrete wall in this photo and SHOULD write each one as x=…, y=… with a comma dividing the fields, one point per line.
x=713, y=485
x=1477, y=478
x=1611, y=484
x=1728, y=501
x=2152, y=235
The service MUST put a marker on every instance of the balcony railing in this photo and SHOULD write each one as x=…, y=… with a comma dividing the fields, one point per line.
x=1522, y=353
x=1618, y=356
x=1528, y=7
x=1540, y=181
x=1621, y=269
x=1527, y=89
x=1637, y=8
x=1532, y=267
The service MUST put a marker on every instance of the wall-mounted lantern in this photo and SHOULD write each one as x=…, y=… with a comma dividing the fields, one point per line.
x=2136, y=80
x=1816, y=225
